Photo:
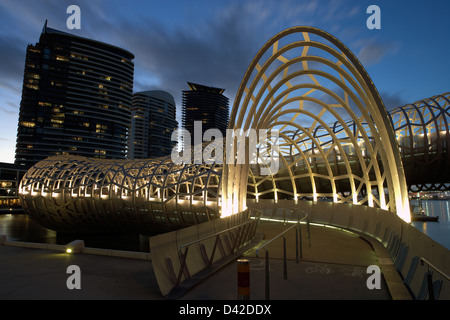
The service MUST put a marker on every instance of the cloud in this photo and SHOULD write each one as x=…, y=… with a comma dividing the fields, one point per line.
x=9, y=111
x=372, y=51
x=12, y=57
x=173, y=43
x=215, y=51
x=393, y=100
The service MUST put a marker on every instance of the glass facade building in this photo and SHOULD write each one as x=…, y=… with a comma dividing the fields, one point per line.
x=207, y=105
x=10, y=176
x=152, y=124
x=76, y=99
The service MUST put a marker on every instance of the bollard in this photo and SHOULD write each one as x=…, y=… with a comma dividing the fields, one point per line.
x=243, y=279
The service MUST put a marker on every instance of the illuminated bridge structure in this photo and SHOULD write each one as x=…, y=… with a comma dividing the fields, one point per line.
x=336, y=142
x=422, y=133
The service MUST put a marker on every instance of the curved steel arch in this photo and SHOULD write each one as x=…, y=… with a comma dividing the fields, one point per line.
x=360, y=101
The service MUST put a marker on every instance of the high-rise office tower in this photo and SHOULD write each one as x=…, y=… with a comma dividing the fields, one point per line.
x=207, y=105
x=76, y=99
x=152, y=124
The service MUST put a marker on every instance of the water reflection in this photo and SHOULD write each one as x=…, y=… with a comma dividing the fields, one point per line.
x=20, y=227
x=438, y=231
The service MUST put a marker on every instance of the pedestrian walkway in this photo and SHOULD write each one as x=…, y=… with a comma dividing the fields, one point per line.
x=333, y=267
x=27, y=273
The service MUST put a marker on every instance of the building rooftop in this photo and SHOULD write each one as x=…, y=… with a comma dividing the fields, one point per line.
x=47, y=30
x=199, y=87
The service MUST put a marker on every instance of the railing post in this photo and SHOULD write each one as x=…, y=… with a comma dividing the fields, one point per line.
x=183, y=264
x=430, y=285
x=214, y=250
x=284, y=259
x=308, y=230
x=267, y=276
x=300, y=239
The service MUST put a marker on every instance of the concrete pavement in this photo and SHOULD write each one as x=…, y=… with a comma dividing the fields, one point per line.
x=333, y=267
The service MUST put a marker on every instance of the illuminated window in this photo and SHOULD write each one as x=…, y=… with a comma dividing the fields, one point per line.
x=100, y=128
x=32, y=86
x=57, y=121
x=62, y=58
x=78, y=56
x=28, y=124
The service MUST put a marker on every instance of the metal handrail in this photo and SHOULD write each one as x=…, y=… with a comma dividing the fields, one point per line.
x=423, y=260
x=213, y=235
x=217, y=233
x=285, y=231
x=186, y=246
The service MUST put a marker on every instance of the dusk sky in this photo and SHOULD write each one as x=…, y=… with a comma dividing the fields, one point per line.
x=213, y=42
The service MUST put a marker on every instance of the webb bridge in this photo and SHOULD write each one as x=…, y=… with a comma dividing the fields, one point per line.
x=344, y=160
x=337, y=143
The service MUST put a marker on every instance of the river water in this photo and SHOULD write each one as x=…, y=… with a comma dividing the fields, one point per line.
x=438, y=231
x=19, y=227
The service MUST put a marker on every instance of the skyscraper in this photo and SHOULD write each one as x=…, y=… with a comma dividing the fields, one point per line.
x=207, y=105
x=76, y=99
x=152, y=124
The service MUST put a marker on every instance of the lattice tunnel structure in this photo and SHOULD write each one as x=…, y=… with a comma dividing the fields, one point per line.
x=69, y=193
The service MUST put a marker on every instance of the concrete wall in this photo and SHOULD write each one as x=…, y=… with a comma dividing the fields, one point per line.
x=399, y=237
